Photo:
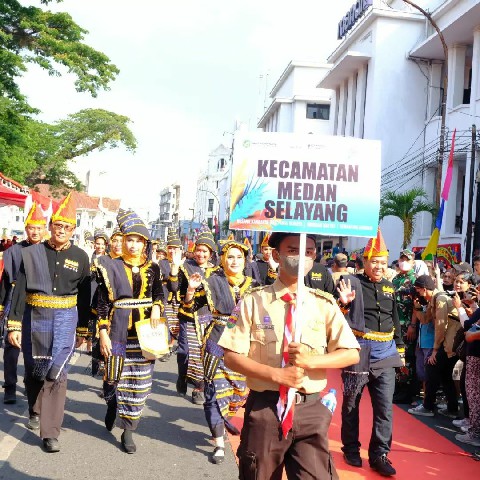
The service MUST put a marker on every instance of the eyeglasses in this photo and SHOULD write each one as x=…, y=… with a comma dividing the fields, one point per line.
x=59, y=226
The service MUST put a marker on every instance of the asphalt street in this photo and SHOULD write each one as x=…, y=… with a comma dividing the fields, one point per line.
x=173, y=441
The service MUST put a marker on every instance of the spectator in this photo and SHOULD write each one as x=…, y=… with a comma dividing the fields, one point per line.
x=476, y=267
x=406, y=381
x=441, y=362
x=447, y=280
x=359, y=266
x=339, y=266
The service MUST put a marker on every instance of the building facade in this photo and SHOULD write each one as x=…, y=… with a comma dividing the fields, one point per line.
x=297, y=105
x=213, y=183
x=387, y=77
x=169, y=211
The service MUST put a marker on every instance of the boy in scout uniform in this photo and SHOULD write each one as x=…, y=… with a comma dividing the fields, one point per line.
x=255, y=346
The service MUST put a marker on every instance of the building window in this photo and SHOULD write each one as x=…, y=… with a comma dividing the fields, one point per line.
x=317, y=111
x=210, y=204
x=221, y=164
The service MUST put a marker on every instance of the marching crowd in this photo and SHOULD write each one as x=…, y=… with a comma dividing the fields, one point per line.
x=404, y=332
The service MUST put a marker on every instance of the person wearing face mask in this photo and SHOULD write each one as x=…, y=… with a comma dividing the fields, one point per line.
x=191, y=325
x=406, y=385
x=222, y=288
x=448, y=278
x=259, y=343
x=378, y=332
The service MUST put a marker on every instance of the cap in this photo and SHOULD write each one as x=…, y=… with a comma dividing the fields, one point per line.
x=425, y=281
x=266, y=240
x=277, y=237
x=206, y=238
x=233, y=244
x=463, y=267
x=66, y=212
x=407, y=253
x=131, y=224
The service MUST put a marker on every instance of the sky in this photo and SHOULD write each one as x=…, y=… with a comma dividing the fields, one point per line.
x=189, y=70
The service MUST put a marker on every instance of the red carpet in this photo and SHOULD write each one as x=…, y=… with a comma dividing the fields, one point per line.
x=418, y=452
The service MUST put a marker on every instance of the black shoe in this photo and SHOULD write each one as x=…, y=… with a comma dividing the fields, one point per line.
x=51, y=445
x=33, y=422
x=218, y=459
x=182, y=386
x=197, y=397
x=383, y=466
x=110, y=416
x=9, y=398
x=127, y=442
x=353, y=459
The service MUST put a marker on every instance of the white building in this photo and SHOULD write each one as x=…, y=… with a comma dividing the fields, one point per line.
x=211, y=201
x=169, y=208
x=387, y=81
x=297, y=104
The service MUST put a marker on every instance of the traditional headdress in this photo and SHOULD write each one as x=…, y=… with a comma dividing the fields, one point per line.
x=66, y=212
x=161, y=246
x=206, y=238
x=265, y=241
x=99, y=233
x=233, y=244
x=191, y=246
x=172, y=238
x=131, y=224
x=230, y=237
x=376, y=247
x=116, y=231
x=247, y=243
x=87, y=236
x=35, y=216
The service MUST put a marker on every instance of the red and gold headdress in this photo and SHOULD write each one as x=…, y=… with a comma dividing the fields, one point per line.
x=247, y=243
x=376, y=247
x=66, y=212
x=35, y=216
x=265, y=241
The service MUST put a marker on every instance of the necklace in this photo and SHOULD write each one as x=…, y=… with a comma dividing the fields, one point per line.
x=135, y=269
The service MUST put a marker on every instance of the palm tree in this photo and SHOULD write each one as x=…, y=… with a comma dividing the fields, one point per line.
x=406, y=206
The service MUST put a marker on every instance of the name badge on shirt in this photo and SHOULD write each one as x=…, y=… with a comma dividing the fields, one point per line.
x=71, y=265
x=266, y=324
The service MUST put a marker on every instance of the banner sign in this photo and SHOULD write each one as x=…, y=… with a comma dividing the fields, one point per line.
x=449, y=254
x=305, y=183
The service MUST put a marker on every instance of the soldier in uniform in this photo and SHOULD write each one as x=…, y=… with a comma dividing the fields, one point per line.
x=257, y=344
x=35, y=224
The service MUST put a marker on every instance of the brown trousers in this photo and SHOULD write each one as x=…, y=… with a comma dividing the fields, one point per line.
x=50, y=405
x=263, y=452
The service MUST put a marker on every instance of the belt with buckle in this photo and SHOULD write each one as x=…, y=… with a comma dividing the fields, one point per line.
x=305, y=397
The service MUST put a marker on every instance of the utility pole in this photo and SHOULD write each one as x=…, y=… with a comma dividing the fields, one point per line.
x=441, y=147
x=476, y=232
x=468, y=246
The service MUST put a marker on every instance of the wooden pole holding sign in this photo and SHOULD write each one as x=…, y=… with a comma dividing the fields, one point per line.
x=298, y=318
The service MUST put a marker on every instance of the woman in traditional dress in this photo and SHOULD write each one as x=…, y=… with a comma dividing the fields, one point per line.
x=191, y=324
x=131, y=290
x=220, y=291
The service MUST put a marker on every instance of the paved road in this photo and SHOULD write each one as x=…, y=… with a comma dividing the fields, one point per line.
x=172, y=439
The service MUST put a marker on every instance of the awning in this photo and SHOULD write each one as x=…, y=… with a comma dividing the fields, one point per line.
x=349, y=64
x=10, y=197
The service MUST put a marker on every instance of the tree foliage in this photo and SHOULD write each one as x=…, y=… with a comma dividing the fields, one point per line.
x=37, y=152
x=406, y=206
x=32, y=151
x=51, y=40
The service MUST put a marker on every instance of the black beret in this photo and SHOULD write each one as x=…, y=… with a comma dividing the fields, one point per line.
x=277, y=237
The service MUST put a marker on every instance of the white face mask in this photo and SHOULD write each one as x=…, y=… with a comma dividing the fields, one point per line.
x=404, y=266
x=290, y=264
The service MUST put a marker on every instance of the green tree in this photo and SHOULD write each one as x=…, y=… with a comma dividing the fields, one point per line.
x=406, y=206
x=40, y=152
x=51, y=40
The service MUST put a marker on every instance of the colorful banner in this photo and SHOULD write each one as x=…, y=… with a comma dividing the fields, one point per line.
x=448, y=254
x=305, y=183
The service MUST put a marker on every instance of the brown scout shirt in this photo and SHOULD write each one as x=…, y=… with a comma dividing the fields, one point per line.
x=259, y=331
